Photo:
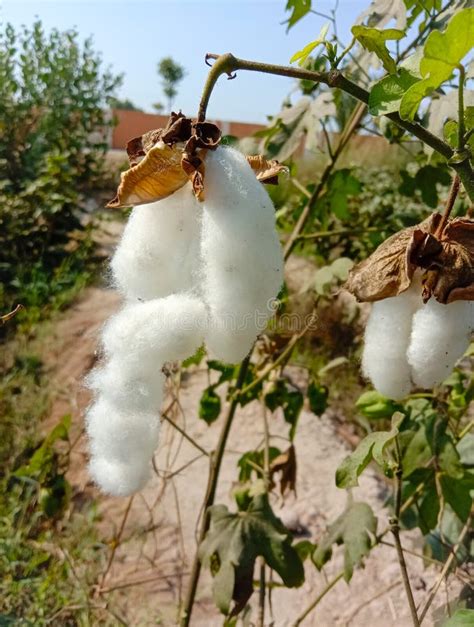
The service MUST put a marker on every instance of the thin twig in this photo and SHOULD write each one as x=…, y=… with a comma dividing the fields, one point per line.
x=317, y=600
x=116, y=543
x=446, y=567
x=185, y=435
x=280, y=359
x=395, y=529
x=229, y=64
x=453, y=192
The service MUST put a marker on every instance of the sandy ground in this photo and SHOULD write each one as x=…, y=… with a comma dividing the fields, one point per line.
x=148, y=575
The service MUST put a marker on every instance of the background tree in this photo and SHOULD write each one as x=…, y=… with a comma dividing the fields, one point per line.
x=124, y=103
x=172, y=73
x=54, y=124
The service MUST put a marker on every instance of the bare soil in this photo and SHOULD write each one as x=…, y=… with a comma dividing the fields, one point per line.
x=148, y=575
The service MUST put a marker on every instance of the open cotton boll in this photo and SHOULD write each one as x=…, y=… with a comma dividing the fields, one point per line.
x=387, y=335
x=440, y=337
x=149, y=334
x=130, y=387
x=241, y=253
x=159, y=250
x=120, y=478
x=121, y=435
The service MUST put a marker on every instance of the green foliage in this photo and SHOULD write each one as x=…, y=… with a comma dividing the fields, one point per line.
x=298, y=9
x=386, y=95
x=460, y=618
x=52, y=147
x=372, y=447
x=302, y=55
x=209, y=405
x=424, y=182
x=373, y=405
x=354, y=528
x=317, y=397
x=234, y=542
x=442, y=53
x=290, y=400
x=172, y=73
x=374, y=40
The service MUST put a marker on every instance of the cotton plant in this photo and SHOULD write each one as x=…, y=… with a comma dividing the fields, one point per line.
x=200, y=264
x=420, y=281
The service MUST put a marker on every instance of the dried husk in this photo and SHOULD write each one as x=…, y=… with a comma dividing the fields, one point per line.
x=266, y=170
x=447, y=260
x=163, y=160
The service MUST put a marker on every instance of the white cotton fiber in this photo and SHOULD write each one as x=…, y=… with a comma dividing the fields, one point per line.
x=120, y=478
x=241, y=254
x=159, y=250
x=149, y=334
x=120, y=435
x=130, y=387
x=439, y=338
x=387, y=337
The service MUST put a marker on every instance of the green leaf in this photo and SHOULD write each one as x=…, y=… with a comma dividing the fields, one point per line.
x=303, y=54
x=386, y=95
x=249, y=460
x=457, y=493
x=304, y=548
x=442, y=53
x=375, y=406
x=232, y=545
x=460, y=618
x=371, y=447
x=227, y=371
x=196, y=358
x=317, y=397
x=424, y=181
x=341, y=185
x=209, y=405
x=298, y=8
x=428, y=511
x=291, y=401
x=353, y=528
x=374, y=40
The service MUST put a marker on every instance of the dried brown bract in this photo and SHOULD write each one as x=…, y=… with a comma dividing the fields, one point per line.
x=163, y=160
x=446, y=258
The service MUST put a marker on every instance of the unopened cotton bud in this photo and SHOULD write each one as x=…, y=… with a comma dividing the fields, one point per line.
x=159, y=250
x=120, y=478
x=151, y=333
x=241, y=253
x=440, y=337
x=387, y=337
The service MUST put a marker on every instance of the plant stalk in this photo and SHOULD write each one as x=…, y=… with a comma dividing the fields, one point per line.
x=214, y=470
x=228, y=64
x=395, y=529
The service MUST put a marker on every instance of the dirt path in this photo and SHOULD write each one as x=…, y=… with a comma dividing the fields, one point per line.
x=159, y=533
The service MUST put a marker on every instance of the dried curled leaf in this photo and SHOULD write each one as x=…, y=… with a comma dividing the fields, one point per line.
x=286, y=464
x=447, y=259
x=266, y=171
x=156, y=176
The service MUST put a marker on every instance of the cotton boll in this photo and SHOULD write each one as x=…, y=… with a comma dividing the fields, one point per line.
x=119, y=478
x=159, y=250
x=149, y=334
x=439, y=338
x=127, y=386
x=387, y=336
x=119, y=435
x=242, y=258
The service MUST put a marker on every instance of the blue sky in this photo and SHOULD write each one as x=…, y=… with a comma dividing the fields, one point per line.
x=133, y=35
